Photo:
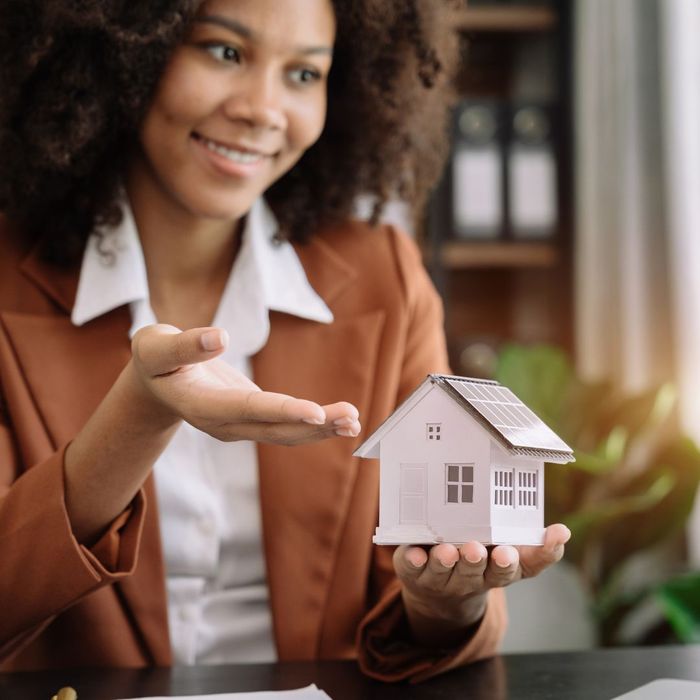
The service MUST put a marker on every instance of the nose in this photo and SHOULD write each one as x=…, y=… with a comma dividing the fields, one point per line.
x=258, y=99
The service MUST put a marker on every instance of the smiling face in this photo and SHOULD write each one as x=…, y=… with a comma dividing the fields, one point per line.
x=241, y=100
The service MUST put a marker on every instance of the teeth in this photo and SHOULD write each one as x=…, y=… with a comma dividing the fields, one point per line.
x=235, y=156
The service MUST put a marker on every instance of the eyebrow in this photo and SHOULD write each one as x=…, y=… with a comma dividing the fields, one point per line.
x=247, y=33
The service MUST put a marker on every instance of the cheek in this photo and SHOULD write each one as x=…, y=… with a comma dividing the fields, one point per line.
x=182, y=95
x=307, y=123
x=173, y=111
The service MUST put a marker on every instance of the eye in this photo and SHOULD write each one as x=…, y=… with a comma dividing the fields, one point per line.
x=305, y=75
x=224, y=53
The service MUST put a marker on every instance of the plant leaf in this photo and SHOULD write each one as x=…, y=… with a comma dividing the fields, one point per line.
x=680, y=601
x=590, y=521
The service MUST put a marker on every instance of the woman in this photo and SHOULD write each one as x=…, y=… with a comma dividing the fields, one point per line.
x=153, y=511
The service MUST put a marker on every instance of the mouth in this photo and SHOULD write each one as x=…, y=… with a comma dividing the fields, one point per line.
x=242, y=155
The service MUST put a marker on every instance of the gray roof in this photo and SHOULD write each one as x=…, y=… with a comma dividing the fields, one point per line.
x=506, y=417
x=497, y=409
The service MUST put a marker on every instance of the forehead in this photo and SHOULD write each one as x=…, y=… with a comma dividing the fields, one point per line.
x=279, y=22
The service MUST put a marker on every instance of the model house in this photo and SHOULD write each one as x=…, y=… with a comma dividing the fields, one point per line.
x=462, y=459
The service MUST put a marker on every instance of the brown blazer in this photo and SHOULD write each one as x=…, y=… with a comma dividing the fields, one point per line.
x=333, y=594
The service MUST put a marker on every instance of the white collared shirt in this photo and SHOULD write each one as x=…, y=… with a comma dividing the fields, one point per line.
x=218, y=602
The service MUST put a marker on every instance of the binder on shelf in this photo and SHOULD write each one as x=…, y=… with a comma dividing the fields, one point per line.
x=510, y=3
x=531, y=174
x=477, y=171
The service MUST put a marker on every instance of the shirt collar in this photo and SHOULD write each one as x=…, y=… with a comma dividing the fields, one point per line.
x=267, y=276
x=113, y=271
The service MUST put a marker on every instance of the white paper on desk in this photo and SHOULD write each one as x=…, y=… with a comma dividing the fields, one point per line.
x=311, y=692
x=664, y=689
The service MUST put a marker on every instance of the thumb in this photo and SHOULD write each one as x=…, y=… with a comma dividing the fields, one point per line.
x=162, y=349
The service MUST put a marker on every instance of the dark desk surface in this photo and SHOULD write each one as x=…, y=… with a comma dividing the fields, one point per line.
x=595, y=675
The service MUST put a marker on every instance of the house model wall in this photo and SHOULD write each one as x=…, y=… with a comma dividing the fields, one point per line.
x=462, y=459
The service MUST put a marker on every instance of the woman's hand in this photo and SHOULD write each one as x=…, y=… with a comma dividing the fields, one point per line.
x=176, y=376
x=444, y=590
x=181, y=371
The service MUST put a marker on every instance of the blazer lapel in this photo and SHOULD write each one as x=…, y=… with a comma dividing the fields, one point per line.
x=68, y=370
x=305, y=491
x=58, y=284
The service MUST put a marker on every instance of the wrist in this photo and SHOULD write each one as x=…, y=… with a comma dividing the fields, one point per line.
x=111, y=456
x=443, y=622
x=143, y=403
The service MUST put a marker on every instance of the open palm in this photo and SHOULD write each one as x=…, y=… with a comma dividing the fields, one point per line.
x=183, y=372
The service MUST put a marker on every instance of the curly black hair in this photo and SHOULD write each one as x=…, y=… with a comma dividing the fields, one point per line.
x=77, y=77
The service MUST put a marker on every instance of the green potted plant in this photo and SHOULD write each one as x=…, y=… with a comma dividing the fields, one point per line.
x=627, y=497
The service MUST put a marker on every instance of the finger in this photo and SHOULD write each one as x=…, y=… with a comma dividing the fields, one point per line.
x=281, y=408
x=163, y=349
x=468, y=574
x=344, y=417
x=442, y=559
x=274, y=433
x=351, y=431
x=409, y=562
x=534, y=560
x=268, y=407
x=244, y=405
x=555, y=535
x=341, y=413
x=503, y=567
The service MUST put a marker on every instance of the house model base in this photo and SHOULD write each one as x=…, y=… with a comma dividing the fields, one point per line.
x=462, y=460
x=485, y=535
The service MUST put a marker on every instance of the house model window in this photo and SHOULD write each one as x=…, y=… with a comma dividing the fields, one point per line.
x=527, y=489
x=503, y=487
x=511, y=487
x=459, y=483
x=432, y=431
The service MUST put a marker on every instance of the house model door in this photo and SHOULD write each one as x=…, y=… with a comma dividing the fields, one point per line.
x=413, y=494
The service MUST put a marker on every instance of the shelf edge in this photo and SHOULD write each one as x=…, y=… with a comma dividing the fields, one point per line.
x=490, y=19
x=466, y=255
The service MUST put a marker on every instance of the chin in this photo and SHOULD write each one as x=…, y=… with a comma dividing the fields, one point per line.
x=220, y=208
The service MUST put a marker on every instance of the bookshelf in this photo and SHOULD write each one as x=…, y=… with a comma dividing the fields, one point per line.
x=506, y=19
x=455, y=255
x=505, y=287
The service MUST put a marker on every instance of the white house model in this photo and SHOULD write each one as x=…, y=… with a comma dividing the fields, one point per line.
x=462, y=459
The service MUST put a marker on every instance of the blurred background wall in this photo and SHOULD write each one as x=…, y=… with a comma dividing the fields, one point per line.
x=638, y=198
x=565, y=240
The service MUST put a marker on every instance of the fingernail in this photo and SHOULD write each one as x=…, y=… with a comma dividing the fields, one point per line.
x=314, y=421
x=213, y=340
x=474, y=558
x=345, y=420
x=447, y=564
x=347, y=432
x=415, y=563
x=504, y=564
